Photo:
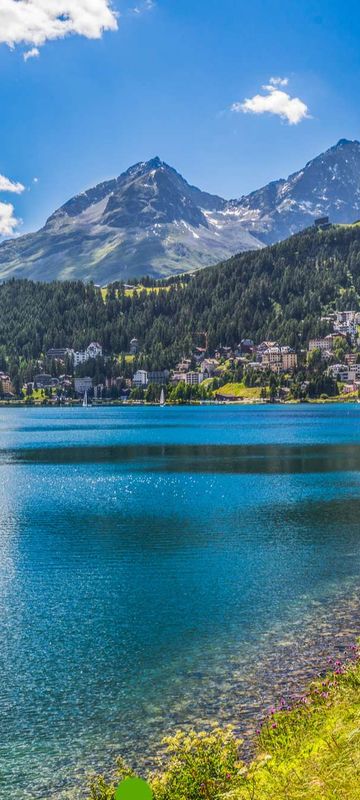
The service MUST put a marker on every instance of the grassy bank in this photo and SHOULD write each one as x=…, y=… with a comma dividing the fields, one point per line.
x=309, y=750
x=239, y=391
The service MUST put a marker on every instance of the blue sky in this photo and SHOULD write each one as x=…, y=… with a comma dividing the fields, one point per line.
x=171, y=81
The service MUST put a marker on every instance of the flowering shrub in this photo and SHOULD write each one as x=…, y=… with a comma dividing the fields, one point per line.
x=203, y=765
x=100, y=789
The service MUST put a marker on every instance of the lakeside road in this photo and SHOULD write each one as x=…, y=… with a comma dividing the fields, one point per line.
x=162, y=568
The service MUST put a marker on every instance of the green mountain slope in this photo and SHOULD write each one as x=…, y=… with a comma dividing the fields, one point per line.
x=279, y=292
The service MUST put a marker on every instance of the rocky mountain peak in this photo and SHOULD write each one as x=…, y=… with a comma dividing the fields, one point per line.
x=327, y=185
x=150, y=220
x=345, y=142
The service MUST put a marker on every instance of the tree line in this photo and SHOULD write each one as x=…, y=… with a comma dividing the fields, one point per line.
x=279, y=293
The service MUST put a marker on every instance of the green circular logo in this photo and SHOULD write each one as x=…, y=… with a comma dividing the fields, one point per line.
x=133, y=789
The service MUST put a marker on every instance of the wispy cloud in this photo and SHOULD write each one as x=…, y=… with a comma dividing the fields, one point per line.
x=6, y=185
x=33, y=53
x=8, y=220
x=279, y=81
x=142, y=7
x=274, y=101
x=34, y=22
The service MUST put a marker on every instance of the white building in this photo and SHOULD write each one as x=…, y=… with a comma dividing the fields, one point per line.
x=140, y=378
x=339, y=372
x=348, y=373
x=93, y=351
x=83, y=385
x=79, y=357
x=354, y=372
x=347, y=316
x=194, y=378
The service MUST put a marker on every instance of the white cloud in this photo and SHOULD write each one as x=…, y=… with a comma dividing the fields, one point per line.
x=146, y=5
x=6, y=185
x=34, y=22
x=8, y=221
x=275, y=101
x=33, y=53
x=279, y=81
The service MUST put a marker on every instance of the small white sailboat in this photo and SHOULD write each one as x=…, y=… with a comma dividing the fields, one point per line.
x=162, y=398
x=85, y=400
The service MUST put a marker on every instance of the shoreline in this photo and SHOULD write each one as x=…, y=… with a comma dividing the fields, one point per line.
x=194, y=404
x=299, y=676
x=298, y=741
x=252, y=739
x=286, y=677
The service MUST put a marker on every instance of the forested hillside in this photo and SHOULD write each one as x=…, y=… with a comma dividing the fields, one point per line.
x=279, y=292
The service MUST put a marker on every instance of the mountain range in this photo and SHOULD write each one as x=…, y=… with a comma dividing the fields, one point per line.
x=150, y=221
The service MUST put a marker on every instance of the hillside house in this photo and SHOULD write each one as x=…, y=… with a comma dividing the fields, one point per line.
x=158, y=376
x=45, y=381
x=339, y=372
x=194, y=378
x=83, y=385
x=320, y=343
x=178, y=377
x=94, y=350
x=279, y=359
x=326, y=343
x=6, y=386
x=184, y=365
x=140, y=379
x=210, y=366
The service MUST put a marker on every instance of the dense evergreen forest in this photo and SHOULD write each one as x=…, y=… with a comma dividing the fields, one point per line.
x=279, y=292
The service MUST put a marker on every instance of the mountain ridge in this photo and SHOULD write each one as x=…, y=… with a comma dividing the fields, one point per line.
x=150, y=220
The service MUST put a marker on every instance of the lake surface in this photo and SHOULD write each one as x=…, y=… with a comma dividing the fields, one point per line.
x=165, y=567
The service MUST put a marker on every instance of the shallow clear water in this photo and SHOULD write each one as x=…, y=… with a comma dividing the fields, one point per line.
x=164, y=567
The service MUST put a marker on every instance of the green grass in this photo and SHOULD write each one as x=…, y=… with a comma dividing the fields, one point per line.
x=239, y=390
x=307, y=751
x=148, y=289
x=39, y=394
x=138, y=289
x=312, y=751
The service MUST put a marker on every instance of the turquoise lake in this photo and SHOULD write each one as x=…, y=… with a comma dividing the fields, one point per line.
x=162, y=568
